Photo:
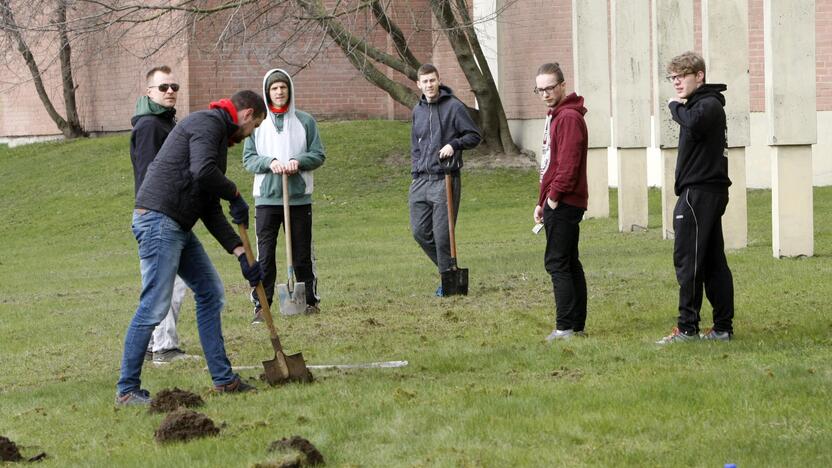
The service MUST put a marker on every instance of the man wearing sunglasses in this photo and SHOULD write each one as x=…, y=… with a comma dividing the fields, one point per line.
x=702, y=187
x=154, y=119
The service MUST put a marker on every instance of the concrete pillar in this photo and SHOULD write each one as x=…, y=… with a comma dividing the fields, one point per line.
x=726, y=22
x=672, y=23
x=590, y=53
x=791, y=205
x=668, y=162
x=735, y=220
x=790, y=104
x=631, y=107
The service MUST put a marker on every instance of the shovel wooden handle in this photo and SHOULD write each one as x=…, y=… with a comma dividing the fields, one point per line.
x=261, y=293
x=449, y=195
x=287, y=231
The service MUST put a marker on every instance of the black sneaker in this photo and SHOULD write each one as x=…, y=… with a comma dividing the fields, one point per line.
x=235, y=386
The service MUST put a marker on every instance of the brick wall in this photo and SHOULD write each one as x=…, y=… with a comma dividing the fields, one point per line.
x=531, y=32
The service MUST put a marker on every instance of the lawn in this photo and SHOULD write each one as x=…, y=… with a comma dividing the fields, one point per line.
x=481, y=389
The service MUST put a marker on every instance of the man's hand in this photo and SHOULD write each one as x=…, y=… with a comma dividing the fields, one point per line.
x=239, y=211
x=253, y=273
x=552, y=204
x=446, y=152
x=676, y=99
x=538, y=214
x=291, y=167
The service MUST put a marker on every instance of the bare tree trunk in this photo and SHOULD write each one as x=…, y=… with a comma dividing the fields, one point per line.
x=9, y=26
x=466, y=47
x=74, y=128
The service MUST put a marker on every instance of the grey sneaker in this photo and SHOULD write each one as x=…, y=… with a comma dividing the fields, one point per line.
x=677, y=336
x=134, y=398
x=560, y=335
x=148, y=355
x=312, y=309
x=168, y=355
x=235, y=386
x=258, y=316
x=713, y=335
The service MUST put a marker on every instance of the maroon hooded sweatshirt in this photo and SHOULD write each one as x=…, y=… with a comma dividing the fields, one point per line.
x=564, y=180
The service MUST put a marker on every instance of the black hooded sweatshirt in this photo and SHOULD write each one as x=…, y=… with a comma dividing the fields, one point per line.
x=702, y=161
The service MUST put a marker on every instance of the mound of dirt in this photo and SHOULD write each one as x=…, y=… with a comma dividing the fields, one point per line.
x=183, y=425
x=169, y=400
x=8, y=450
x=300, y=452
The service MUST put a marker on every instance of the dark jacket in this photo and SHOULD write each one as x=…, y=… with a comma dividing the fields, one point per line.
x=149, y=132
x=436, y=124
x=564, y=178
x=187, y=179
x=702, y=161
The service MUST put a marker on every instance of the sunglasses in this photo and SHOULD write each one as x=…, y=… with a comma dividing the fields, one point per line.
x=165, y=86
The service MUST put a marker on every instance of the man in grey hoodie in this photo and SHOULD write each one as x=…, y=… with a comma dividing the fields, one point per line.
x=442, y=128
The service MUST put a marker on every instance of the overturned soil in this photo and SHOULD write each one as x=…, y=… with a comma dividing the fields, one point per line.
x=8, y=450
x=299, y=452
x=168, y=400
x=182, y=425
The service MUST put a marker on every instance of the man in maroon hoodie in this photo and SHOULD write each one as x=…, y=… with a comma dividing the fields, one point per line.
x=563, y=197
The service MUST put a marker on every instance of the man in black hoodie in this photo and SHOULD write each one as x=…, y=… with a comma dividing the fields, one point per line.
x=154, y=119
x=442, y=128
x=702, y=187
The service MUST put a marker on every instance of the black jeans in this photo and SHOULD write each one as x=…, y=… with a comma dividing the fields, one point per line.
x=563, y=232
x=268, y=220
x=699, y=258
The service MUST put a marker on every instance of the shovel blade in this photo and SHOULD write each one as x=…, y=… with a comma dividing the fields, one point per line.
x=292, y=303
x=455, y=282
x=284, y=369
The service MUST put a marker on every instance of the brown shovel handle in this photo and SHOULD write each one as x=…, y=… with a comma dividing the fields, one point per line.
x=287, y=232
x=449, y=195
x=261, y=293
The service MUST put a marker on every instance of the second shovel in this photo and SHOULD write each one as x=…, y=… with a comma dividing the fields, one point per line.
x=455, y=279
x=292, y=295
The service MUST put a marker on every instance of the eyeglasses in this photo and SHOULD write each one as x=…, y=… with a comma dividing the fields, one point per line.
x=546, y=90
x=679, y=77
x=164, y=87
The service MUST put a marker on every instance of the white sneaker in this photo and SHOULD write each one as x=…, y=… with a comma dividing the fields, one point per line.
x=560, y=335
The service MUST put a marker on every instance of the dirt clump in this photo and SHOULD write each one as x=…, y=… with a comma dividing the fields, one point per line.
x=183, y=424
x=8, y=450
x=168, y=400
x=298, y=452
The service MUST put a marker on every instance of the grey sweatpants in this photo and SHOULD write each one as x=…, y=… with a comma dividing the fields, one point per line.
x=429, y=216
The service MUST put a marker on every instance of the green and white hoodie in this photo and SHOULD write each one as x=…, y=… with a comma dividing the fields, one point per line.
x=290, y=135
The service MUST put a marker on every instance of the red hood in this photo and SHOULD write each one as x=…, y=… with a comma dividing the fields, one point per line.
x=572, y=101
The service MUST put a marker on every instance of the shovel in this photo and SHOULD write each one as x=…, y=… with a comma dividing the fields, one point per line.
x=455, y=279
x=292, y=295
x=282, y=368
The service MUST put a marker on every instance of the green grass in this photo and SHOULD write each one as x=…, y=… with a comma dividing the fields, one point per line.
x=482, y=388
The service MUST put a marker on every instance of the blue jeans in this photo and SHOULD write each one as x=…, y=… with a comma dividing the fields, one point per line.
x=165, y=250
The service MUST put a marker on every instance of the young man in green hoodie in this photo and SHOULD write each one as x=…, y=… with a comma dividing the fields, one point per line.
x=287, y=142
x=154, y=120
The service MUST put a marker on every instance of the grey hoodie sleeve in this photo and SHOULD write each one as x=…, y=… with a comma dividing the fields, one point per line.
x=467, y=133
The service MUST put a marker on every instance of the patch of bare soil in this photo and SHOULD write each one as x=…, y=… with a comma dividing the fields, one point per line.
x=297, y=452
x=10, y=453
x=8, y=450
x=168, y=400
x=182, y=425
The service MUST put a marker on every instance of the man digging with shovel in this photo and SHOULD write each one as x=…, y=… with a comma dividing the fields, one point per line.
x=282, y=154
x=184, y=184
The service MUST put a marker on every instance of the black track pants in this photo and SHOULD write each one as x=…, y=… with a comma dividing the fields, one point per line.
x=563, y=232
x=268, y=219
x=699, y=258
